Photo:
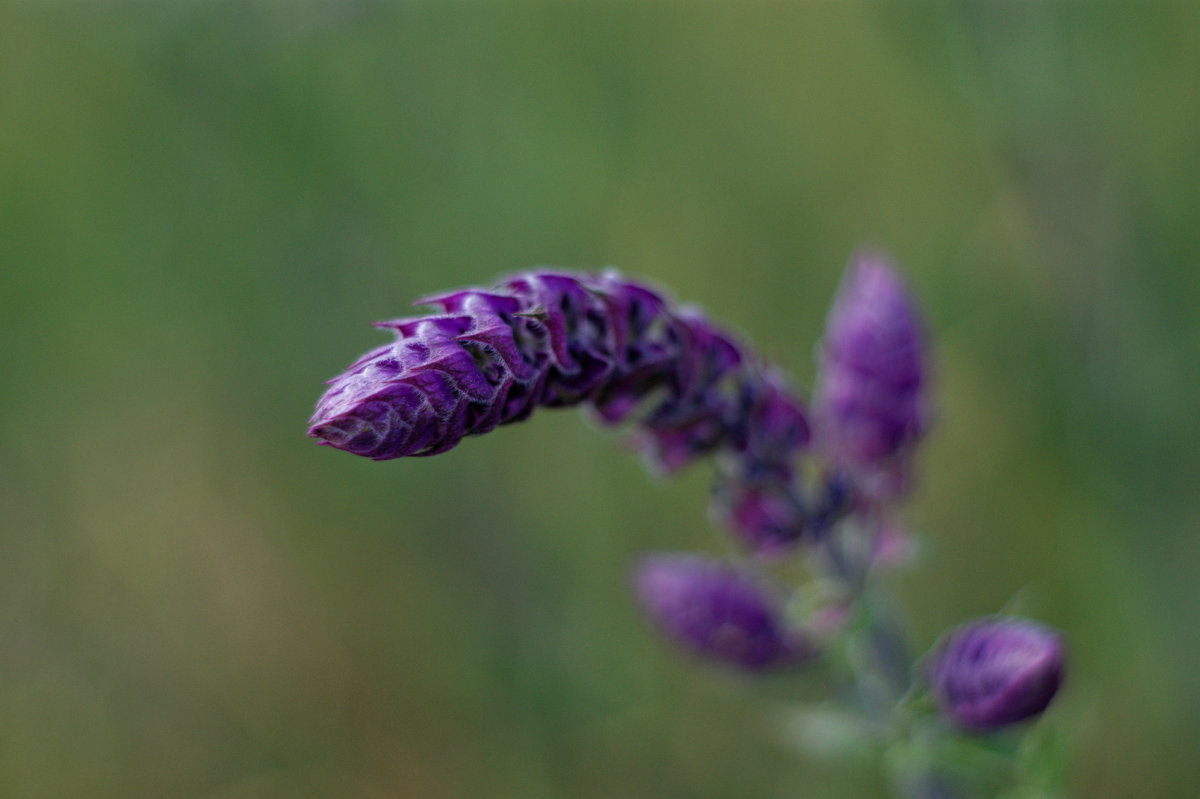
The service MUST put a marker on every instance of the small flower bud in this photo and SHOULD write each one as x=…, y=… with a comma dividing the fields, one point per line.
x=869, y=406
x=717, y=612
x=766, y=518
x=996, y=671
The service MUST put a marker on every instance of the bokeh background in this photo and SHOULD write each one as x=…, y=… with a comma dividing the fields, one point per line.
x=204, y=204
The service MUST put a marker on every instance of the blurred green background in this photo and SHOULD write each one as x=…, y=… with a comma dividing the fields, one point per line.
x=203, y=205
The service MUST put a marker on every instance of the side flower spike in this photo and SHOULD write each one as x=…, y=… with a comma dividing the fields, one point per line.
x=717, y=612
x=870, y=404
x=997, y=671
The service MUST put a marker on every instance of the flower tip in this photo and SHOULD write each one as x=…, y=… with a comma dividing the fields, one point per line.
x=873, y=304
x=869, y=263
x=327, y=435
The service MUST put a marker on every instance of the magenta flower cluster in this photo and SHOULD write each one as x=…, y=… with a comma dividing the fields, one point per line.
x=688, y=388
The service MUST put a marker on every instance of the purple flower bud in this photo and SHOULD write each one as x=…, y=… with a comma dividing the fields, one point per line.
x=869, y=406
x=765, y=516
x=553, y=339
x=997, y=671
x=717, y=612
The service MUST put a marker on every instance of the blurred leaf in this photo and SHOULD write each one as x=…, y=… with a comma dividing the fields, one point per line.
x=830, y=733
x=1041, y=759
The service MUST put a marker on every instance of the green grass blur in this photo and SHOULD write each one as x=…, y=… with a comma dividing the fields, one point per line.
x=204, y=204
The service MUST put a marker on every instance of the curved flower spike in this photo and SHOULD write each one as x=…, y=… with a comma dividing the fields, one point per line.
x=545, y=338
x=995, y=672
x=490, y=357
x=870, y=406
x=717, y=612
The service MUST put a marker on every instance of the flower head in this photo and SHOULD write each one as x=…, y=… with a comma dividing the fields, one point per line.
x=717, y=612
x=997, y=671
x=489, y=357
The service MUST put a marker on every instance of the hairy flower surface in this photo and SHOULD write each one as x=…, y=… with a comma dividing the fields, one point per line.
x=997, y=671
x=715, y=611
x=490, y=357
x=870, y=405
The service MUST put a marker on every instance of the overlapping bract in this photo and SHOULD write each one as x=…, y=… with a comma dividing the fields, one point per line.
x=997, y=671
x=555, y=339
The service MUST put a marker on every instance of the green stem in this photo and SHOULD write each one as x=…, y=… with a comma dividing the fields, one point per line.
x=882, y=663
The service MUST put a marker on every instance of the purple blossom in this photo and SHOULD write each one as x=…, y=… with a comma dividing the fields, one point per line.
x=489, y=357
x=717, y=612
x=997, y=671
x=870, y=403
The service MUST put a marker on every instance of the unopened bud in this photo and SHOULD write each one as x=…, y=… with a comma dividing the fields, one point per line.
x=717, y=612
x=998, y=671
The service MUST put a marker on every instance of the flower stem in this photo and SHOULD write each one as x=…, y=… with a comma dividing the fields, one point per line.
x=879, y=653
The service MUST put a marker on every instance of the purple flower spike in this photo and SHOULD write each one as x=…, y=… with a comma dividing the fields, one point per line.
x=998, y=671
x=717, y=612
x=490, y=357
x=870, y=406
x=544, y=338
